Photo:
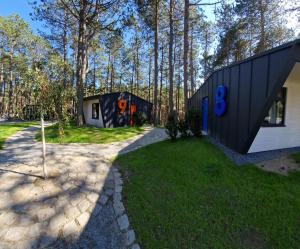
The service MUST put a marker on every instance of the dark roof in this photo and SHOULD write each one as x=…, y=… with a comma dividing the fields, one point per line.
x=98, y=96
x=270, y=51
x=92, y=97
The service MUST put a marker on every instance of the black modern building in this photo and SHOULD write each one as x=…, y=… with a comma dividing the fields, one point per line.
x=114, y=109
x=254, y=105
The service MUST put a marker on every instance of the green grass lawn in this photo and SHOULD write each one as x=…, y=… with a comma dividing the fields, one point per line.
x=188, y=194
x=296, y=157
x=7, y=130
x=95, y=135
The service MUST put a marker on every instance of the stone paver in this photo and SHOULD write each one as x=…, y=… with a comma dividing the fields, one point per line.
x=123, y=222
x=83, y=219
x=103, y=199
x=70, y=228
x=135, y=246
x=79, y=206
x=119, y=208
x=45, y=214
x=15, y=233
x=130, y=237
x=83, y=205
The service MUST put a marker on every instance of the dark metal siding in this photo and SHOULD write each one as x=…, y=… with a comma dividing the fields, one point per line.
x=252, y=86
x=110, y=110
x=244, y=100
x=226, y=124
x=259, y=81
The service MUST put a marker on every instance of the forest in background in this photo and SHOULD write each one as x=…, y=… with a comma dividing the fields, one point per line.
x=159, y=50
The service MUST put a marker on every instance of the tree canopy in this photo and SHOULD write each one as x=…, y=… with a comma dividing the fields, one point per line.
x=159, y=50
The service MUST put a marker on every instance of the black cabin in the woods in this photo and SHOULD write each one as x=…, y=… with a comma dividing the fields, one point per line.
x=254, y=105
x=115, y=109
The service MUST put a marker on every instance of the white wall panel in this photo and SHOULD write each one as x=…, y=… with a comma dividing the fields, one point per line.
x=87, y=110
x=272, y=138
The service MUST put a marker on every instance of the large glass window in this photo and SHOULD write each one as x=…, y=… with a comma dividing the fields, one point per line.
x=95, y=111
x=275, y=116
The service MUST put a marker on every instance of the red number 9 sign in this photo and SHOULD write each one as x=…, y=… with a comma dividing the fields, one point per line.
x=122, y=104
x=133, y=109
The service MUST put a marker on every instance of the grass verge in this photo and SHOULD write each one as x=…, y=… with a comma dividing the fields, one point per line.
x=188, y=194
x=74, y=134
x=296, y=157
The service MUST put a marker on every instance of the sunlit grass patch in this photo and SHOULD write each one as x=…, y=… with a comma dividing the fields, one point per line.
x=188, y=194
x=296, y=157
x=86, y=134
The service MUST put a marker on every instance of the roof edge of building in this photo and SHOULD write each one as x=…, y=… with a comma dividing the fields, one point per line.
x=270, y=51
x=97, y=96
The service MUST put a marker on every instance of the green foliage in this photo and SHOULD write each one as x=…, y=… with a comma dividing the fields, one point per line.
x=139, y=119
x=263, y=20
x=52, y=94
x=74, y=134
x=183, y=127
x=194, y=121
x=39, y=74
x=172, y=125
x=15, y=29
x=296, y=157
x=188, y=194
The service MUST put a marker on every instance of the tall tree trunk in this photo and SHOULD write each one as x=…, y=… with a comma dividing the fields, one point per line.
x=206, y=55
x=156, y=21
x=250, y=41
x=132, y=77
x=4, y=97
x=81, y=65
x=149, y=76
x=94, y=75
x=112, y=76
x=137, y=69
x=161, y=84
x=86, y=70
x=178, y=91
x=262, y=41
x=65, y=49
x=10, y=94
x=121, y=76
x=178, y=81
x=192, y=65
x=107, y=73
x=2, y=86
x=185, y=53
x=74, y=66
x=171, y=63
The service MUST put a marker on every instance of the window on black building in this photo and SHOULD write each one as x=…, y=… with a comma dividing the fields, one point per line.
x=95, y=111
x=276, y=114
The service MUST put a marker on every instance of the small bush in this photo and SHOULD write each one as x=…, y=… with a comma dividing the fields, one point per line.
x=139, y=119
x=172, y=125
x=183, y=127
x=296, y=157
x=194, y=121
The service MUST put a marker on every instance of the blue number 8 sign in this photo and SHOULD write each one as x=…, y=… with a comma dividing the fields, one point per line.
x=220, y=101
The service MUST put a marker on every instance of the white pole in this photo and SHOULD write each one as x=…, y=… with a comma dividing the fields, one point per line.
x=44, y=147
